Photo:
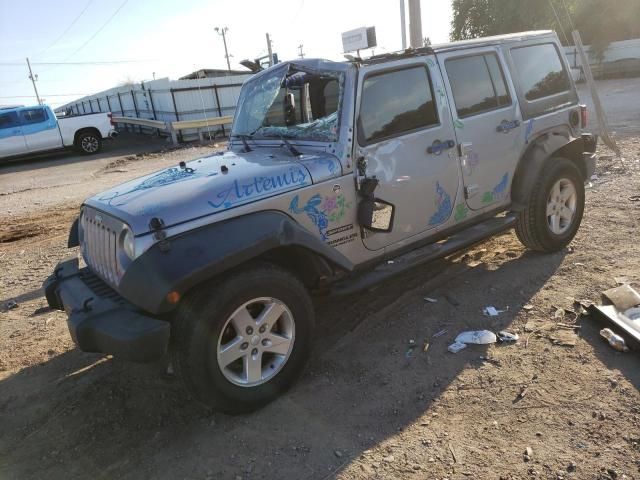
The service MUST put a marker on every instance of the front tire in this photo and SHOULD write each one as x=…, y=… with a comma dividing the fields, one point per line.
x=556, y=205
x=242, y=342
x=89, y=143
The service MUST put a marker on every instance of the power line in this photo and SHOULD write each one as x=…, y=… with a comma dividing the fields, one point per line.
x=568, y=15
x=45, y=95
x=97, y=62
x=98, y=31
x=559, y=23
x=66, y=30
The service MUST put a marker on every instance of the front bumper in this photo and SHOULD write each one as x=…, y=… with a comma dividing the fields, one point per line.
x=99, y=320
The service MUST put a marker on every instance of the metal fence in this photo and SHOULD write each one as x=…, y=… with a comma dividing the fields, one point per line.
x=168, y=101
x=619, y=59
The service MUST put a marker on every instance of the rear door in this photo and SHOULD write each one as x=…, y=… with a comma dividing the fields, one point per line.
x=11, y=139
x=406, y=140
x=488, y=123
x=40, y=129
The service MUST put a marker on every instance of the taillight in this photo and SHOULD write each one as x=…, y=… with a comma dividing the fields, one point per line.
x=110, y=115
x=584, y=116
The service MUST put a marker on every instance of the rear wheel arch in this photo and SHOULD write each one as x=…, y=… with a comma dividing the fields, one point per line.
x=93, y=130
x=556, y=143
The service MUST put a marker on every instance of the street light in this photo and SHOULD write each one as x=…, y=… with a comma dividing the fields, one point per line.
x=223, y=31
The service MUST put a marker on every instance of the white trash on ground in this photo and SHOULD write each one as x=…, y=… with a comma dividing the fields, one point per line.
x=456, y=347
x=480, y=337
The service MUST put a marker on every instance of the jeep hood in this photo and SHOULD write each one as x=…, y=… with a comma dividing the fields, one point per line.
x=212, y=184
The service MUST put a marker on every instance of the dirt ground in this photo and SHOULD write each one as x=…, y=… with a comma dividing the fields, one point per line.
x=372, y=402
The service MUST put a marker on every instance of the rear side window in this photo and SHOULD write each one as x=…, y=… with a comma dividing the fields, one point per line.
x=33, y=115
x=477, y=83
x=8, y=120
x=396, y=102
x=540, y=71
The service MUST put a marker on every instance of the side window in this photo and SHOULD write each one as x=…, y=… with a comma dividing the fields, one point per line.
x=8, y=120
x=477, y=83
x=33, y=115
x=540, y=71
x=396, y=102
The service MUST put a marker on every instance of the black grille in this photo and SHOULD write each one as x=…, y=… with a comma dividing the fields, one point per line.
x=100, y=287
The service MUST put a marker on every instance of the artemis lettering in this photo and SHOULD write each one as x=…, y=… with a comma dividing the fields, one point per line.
x=259, y=185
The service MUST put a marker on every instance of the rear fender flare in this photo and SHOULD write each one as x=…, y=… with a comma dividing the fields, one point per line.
x=549, y=144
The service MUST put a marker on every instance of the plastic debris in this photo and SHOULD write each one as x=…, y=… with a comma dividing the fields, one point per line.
x=430, y=300
x=456, y=347
x=492, y=311
x=479, y=337
x=440, y=333
x=505, y=336
x=616, y=341
x=633, y=313
x=11, y=304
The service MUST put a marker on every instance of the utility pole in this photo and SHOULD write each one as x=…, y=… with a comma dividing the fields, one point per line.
x=33, y=80
x=269, y=50
x=223, y=31
x=403, y=26
x=415, y=24
x=300, y=51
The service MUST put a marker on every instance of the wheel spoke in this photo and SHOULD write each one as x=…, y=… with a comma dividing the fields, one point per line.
x=231, y=352
x=271, y=313
x=555, y=191
x=241, y=320
x=253, y=367
x=567, y=192
x=566, y=213
x=550, y=208
x=277, y=344
x=555, y=223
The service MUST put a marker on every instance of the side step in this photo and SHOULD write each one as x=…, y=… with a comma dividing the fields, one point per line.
x=463, y=239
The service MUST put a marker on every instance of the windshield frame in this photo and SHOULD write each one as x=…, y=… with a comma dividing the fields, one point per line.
x=281, y=71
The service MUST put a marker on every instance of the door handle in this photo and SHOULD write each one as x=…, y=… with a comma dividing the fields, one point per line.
x=17, y=131
x=437, y=147
x=506, y=126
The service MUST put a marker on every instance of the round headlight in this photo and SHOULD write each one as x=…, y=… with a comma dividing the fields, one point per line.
x=128, y=244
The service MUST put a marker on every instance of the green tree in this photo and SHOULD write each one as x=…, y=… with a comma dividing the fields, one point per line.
x=599, y=21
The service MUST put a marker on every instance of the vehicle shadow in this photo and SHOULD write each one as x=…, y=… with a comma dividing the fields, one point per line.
x=82, y=415
x=127, y=143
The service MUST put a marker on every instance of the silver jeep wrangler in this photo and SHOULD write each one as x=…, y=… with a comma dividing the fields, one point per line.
x=332, y=169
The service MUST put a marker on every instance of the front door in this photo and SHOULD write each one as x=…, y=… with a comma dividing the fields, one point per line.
x=39, y=129
x=487, y=121
x=11, y=138
x=406, y=140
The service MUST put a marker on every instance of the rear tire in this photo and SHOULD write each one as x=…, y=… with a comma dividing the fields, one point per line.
x=554, y=212
x=88, y=143
x=240, y=342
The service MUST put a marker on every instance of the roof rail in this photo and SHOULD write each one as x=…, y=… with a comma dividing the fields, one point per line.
x=388, y=57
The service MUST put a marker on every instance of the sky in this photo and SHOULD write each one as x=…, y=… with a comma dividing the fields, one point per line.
x=175, y=37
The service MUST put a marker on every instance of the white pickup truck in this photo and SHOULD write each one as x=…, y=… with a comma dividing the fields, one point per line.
x=28, y=130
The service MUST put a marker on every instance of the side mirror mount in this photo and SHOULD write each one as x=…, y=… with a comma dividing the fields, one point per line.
x=376, y=215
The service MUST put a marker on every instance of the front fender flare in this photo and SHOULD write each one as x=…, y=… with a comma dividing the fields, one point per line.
x=198, y=255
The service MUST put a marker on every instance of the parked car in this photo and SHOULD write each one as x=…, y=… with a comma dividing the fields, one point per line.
x=28, y=130
x=332, y=170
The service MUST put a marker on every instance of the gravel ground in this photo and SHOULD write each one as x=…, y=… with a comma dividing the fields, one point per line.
x=372, y=402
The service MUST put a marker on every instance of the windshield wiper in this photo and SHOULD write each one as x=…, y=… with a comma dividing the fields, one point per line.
x=294, y=151
x=244, y=137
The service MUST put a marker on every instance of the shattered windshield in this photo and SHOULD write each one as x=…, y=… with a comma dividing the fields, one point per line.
x=291, y=103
